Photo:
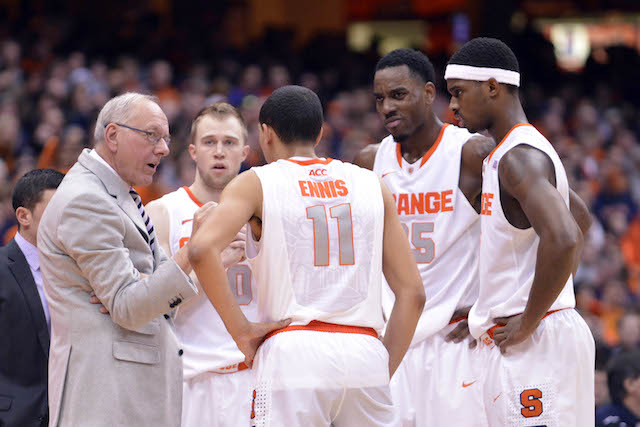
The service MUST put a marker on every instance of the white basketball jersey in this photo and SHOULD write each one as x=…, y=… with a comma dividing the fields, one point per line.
x=207, y=345
x=320, y=253
x=508, y=254
x=442, y=226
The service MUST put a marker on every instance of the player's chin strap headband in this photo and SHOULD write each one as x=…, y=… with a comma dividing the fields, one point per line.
x=481, y=74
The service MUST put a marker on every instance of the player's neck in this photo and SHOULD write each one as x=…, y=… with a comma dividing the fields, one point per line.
x=204, y=193
x=298, y=150
x=415, y=146
x=632, y=404
x=510, y=115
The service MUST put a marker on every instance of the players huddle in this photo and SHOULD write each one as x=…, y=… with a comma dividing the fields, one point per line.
x=434, y=289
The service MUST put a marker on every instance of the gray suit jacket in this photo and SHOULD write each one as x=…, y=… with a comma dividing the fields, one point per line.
x=123, y=368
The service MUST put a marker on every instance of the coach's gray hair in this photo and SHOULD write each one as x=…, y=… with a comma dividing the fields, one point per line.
x=118, y=110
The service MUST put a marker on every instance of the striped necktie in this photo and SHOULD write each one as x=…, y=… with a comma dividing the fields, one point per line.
x=146, y=219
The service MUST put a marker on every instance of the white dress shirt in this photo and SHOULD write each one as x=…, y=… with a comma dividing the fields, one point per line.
x=31, y=254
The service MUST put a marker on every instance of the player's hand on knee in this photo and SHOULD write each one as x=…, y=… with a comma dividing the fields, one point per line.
x=249, y=341
x=235, y=252
x=510, y=333
x=94, y=300
x=201, y=215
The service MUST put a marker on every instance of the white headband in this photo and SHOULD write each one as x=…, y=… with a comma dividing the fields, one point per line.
x=481, y=74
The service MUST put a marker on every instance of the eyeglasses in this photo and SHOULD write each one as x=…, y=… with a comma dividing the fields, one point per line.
x=153, y=137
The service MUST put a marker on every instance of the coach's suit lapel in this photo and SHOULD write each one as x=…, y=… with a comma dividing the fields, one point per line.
x=117, y=188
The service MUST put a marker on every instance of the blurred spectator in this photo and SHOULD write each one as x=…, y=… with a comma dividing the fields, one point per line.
x=623, y=375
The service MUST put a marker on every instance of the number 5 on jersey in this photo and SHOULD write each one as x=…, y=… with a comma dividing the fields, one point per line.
x=425, y=247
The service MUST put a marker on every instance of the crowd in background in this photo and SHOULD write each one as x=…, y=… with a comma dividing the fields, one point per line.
x=50, y=97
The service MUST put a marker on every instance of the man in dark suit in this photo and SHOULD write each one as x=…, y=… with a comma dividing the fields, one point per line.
x=24, y=313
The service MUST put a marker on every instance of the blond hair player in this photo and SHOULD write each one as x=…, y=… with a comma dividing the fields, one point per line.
x=217, y=383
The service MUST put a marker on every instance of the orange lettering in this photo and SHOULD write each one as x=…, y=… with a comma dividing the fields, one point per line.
x=417, y=202
x=324, y=189
x=332, y=185
x=403, y=204
x=530, y=400
x=313, y=189
x=432, y=207
x=183, y=241
x=485, y=206
x=445, y=200
x=303, y=188
x=342, y=188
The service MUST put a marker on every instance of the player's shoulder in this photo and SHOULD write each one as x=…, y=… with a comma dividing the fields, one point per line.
x=168, y=198
x=367, y=156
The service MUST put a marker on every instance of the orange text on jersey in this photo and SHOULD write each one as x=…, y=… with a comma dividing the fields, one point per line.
x=323, y=189
x=431, y=202
x=486, y=203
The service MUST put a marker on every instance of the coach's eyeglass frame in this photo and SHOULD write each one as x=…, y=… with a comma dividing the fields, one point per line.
x=151, y=136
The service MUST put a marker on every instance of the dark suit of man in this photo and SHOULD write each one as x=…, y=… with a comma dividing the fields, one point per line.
x=24, y=344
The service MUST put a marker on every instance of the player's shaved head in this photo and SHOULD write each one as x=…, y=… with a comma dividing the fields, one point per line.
x=294, y=113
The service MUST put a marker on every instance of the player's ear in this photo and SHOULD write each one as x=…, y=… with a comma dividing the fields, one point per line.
x=493, y=87
x=319, y=138
x=430, y=92
x=192, y=151
x=245, y=151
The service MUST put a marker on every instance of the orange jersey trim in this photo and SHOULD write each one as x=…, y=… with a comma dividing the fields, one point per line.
x=310, y=162
x=505, y=137
x=457, y=319
x=192, y=196
x=316, y=325
x=238, y=367
x=429, y=153
x=493, y=328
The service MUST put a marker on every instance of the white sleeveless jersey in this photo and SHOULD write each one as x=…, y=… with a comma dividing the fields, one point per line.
x=207, y=345
x=508, y=254
x=320, y=253
x=442, y=226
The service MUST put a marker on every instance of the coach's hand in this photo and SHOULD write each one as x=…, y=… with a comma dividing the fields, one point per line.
x=249, y=341
x=511, y=333
x=94, y=300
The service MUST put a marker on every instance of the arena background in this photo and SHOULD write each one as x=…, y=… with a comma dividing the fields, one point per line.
x=61, y=60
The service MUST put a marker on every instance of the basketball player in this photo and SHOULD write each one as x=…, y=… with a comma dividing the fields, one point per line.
x=538, y=352
x=322, y=232
x=217, y=385
x=434, y=172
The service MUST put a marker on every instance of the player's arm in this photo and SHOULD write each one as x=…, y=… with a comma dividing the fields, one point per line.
x=525, y=174
x=581, y=214
x=474, y=152
x=400, y=270
x=367, y=156
x=240, y=201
